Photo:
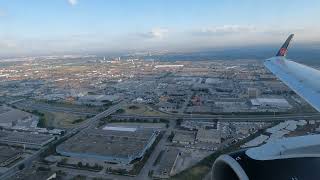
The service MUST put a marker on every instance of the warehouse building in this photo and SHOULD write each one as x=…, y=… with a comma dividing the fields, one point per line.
x=24, y=139
x=184, y=137
x=271, y=102
x=111, y=144
x=209, y=135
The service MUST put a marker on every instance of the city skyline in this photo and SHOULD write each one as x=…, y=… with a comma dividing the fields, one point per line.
x=80, y=26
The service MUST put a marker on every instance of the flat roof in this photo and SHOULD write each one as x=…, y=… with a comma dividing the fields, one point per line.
x=24, y=138
x=117, y=128
x=107, y=143
x=276, y=101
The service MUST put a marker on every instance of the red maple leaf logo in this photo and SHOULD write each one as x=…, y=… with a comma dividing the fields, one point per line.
x=283, y=51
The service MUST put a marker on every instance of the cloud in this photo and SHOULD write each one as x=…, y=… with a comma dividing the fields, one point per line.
x=73, y=2
x=155, y=33
x=195, y=38
x=8, y=47
x=225, y=30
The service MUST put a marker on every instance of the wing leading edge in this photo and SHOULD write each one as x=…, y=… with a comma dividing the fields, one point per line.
x=304, y=80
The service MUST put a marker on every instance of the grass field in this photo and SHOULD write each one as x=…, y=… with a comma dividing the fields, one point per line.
x=139, y=109
x=61, y=120
x=75, y=107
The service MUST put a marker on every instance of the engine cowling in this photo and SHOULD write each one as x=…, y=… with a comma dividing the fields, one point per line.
x=296, y=158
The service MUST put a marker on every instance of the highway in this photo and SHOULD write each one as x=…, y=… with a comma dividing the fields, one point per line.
x=149, y=164
x=91, y=122
x=240, y=118
x=87, y=124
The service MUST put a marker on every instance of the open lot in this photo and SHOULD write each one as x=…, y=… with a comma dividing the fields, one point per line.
x=61, y=120
x=140, y=109
x=59, y=115
x=188, y=158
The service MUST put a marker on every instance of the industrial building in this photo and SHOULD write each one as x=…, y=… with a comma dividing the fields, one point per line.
x=271, y=102
x=97, y=99
x=184, y=137
x=209, y=135
x=24, y=139
x=111, y=144
x=193, y=125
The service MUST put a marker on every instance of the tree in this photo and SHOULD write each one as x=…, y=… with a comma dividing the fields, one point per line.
x=64, y=160
x=120, y=111
x=170, y=137
x=179, y=121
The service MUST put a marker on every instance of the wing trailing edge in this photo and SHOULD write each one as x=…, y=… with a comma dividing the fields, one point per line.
x=303, y=80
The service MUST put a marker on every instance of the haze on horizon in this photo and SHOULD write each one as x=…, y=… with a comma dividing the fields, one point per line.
x=85, y=26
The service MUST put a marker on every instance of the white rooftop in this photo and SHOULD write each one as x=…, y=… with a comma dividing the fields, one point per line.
x=113, y=128
x=270, y=101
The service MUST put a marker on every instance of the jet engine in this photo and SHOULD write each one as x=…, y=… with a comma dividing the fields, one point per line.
x=294, y=158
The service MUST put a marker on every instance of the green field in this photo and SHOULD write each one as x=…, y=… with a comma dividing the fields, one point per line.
x=62, y=120
x=143, y=110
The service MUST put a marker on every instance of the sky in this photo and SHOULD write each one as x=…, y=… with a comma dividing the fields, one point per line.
x=87, y=26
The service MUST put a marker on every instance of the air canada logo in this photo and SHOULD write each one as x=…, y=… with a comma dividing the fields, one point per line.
x=283, y=51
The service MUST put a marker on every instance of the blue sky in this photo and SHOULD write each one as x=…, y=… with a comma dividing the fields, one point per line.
x=58, y=26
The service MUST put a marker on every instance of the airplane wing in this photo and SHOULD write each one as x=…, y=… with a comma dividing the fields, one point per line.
x=293, y=158
x=304, y=80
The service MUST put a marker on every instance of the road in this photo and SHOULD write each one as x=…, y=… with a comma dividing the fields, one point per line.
x=87, y=124
x=91, y=122
x=240, y=118
x=149, y=164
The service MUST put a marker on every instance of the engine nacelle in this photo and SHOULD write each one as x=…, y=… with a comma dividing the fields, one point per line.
x=295, y=158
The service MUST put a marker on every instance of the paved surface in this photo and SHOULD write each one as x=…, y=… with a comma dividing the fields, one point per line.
x=75, y=172
x=238, y=118
x=89, y=123
x=92, y=121
x=149, y=164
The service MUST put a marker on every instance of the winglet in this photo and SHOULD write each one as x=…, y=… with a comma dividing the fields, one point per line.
x=284, y=48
